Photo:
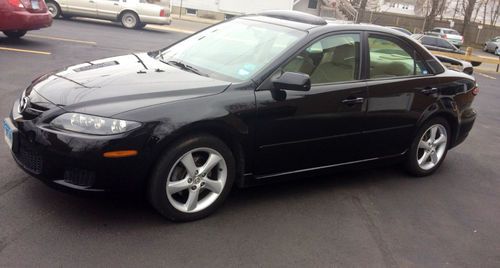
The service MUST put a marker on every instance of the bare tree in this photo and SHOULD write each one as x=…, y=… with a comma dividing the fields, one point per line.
x=494, y=12
x=468, y=7
x=361, y=10
x=434, y=8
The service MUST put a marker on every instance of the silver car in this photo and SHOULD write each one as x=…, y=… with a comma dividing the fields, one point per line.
x=492, y=45
x=131, y=13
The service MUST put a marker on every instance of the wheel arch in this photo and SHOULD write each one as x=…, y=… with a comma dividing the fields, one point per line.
x=234, y=138
x=119, y=17
x=445, y=113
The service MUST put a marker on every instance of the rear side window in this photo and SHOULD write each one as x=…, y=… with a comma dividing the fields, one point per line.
x=329, y=60
x=451, y=32
x=391, y=57
x=430, y=41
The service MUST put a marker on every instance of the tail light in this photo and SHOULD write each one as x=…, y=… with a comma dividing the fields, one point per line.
x=162, y=13
x=475, y=91
x=16, y=3
x=445, y=36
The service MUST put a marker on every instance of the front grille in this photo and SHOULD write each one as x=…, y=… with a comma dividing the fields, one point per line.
x=80, y=177
x=30, y=159
x=33, y=111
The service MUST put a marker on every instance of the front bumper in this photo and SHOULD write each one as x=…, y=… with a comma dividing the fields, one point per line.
x=24, y=20
x=75, y=161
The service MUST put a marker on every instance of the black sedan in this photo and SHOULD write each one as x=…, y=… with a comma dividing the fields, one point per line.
x=247, y=101
x=434, y=43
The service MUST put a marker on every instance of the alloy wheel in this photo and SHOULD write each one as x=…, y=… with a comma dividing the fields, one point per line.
x=196, y=180
x=432, y=146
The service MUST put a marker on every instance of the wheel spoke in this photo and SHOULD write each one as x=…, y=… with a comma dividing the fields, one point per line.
x=192, y=200
x=440, y=140
x=424, y=145
x=189, y=164
x=424, y=157
x=212, y=161
x=434, y=158
x=177, y=186
x=214, y=186
x=433, y=133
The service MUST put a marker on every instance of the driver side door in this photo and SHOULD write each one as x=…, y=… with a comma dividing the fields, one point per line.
x=300, y=131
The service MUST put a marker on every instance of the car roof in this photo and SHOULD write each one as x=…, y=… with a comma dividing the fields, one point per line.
x=307, y=22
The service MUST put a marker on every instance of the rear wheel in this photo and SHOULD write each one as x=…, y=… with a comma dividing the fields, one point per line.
x=485, y=48
x=54, y=9
x=15, y=34
x=192, y=179
x=429, y=147
x=129, y=20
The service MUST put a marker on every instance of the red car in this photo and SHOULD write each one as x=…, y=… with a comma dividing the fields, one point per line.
x=19, y=16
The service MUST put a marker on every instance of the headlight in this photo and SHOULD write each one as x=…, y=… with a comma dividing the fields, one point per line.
x=89, y=124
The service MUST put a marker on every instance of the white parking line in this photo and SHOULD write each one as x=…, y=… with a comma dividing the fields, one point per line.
x=485, y=75
x=62, y=39
x=25, y=50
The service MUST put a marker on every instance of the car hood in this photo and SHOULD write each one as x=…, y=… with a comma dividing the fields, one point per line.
x=115, y=85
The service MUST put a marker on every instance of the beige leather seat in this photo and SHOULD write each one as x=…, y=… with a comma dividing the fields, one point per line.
x=340, y=67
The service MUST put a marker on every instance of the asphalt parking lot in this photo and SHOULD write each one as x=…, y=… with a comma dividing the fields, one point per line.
x=362, y=218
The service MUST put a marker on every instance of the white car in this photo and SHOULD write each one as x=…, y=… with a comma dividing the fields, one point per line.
x=131, y=13
x=492, y=45
x=451, y=35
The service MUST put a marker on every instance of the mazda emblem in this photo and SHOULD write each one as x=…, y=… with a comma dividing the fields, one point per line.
x=23, y=104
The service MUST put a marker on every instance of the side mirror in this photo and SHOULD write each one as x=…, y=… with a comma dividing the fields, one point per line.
x=292, y=81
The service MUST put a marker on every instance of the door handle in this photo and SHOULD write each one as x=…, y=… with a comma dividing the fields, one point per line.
x=351, y=101
x=115, y=4
x=429, y=90
x=91, y=1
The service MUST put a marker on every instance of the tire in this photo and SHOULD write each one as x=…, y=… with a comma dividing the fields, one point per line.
x=54, y=9
x=429, y=140
x=15, y=34
x=485, y=48
x=130, y=20
x=186, y=194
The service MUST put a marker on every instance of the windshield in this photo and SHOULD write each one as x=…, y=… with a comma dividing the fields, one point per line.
x=235, y=50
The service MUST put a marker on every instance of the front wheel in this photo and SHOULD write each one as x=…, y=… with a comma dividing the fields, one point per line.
x=15, y=34
x=429, y=147
x=192, y=179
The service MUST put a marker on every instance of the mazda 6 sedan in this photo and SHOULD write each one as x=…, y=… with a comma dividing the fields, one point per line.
x=251, y=100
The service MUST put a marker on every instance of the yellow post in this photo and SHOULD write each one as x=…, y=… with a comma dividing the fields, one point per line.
x=468, y=52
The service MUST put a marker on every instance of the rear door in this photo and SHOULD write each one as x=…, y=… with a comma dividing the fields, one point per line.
x=108, y=9
x=400, y=89
x=299, y=131
x=84, y=8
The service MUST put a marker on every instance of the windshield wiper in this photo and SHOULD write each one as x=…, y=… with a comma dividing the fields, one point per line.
x=185, y=67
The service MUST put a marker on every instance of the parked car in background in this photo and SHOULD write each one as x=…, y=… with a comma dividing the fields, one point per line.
x=130, y=13
x=403, y=30
x=456, y=64
x=255, y=99
x=492, y=45
x=449, y=34
x=20, y=16
x=435, y=43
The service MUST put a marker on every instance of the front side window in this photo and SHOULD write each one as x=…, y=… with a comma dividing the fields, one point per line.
x=332, y=59
x=392, y=58
x=234, y=50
